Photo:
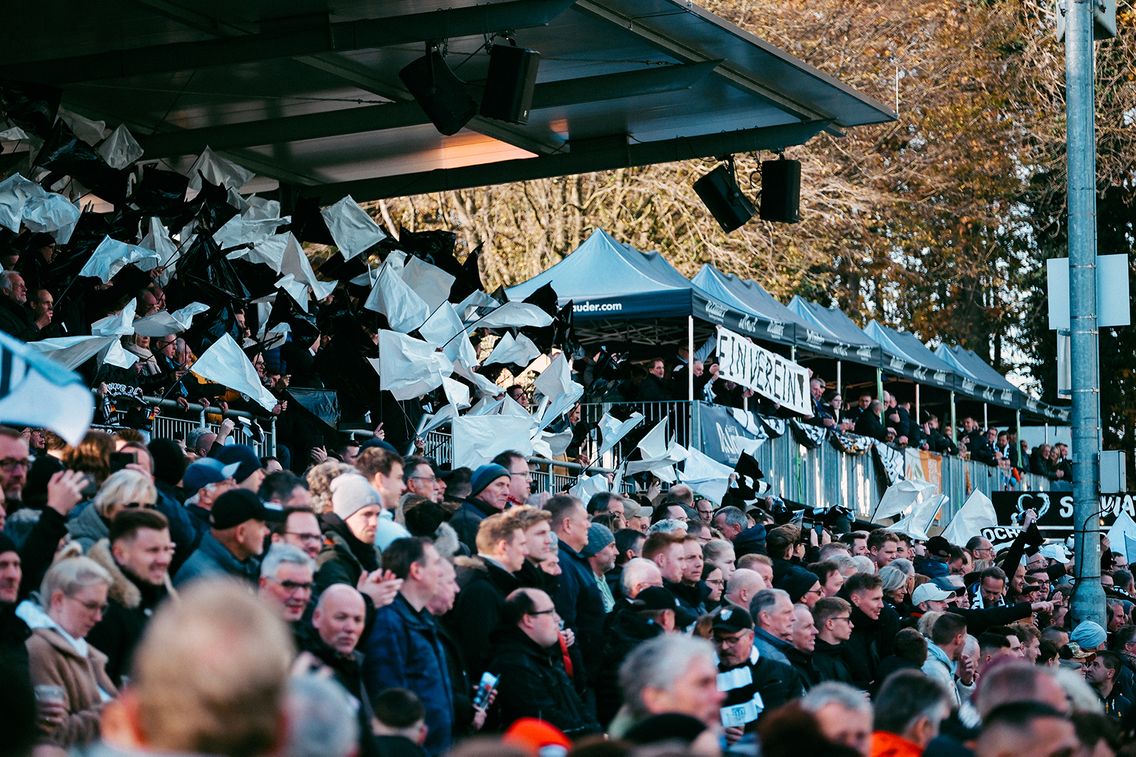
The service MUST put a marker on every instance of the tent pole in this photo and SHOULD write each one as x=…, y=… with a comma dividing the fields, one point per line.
x=1018, y=437
x=918, y=415
x=985, y=416
x=880, y=389
x=839, y=377
x=690, y=358
x=954, y=420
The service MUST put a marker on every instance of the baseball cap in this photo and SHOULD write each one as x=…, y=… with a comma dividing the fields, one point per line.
x=207, y=470
x=937, y=545
x=731, y=619
x=929, y=592
x=237, y=506
x=949, y=583
x=245, y=457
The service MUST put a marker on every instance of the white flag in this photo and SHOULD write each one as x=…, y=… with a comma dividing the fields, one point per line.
x=226, y=364
x=164, y=323
x=391, y=296
x=409, y=367
x=217, y=170
x=71, y=351
x=35, y=391
x=445, y=329
x=975, y=514
x=111, y=256
x=120, y=149
x=1122, y=533
x=510, y=350
x=429, y=282
x=900, y=496
x=352, y=228
x=613, y=430
x=477, y=440
x=515, y=315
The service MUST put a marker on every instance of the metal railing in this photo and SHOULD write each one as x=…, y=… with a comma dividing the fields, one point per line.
x=168, y=426
x=682, y=425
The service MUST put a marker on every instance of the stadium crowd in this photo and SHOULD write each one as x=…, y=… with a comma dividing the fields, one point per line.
x=158, y=599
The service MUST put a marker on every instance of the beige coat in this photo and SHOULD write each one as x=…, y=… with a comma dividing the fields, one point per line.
x=54, y=661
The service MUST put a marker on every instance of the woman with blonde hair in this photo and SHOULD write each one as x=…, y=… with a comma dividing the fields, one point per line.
x=124, y=489
x=63, y=665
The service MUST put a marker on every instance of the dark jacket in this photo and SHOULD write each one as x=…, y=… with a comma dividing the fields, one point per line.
x=348, y=672
x=930, y=567
x=625, y=629
x=17, y=320
x=829, y=662
x=579, y=603
x=770, y=684
x=691, y=599
x=343, y=557
x=869, y=425
x=88, y=527
x=404, y=650
x=862, y=651
x=468, y=519
x=779, y=650
x=750, y=542
x=477, y=610
x=211, y=558
x=130, y=603
x=533, y=684
x=460, y=683
x=38, y=550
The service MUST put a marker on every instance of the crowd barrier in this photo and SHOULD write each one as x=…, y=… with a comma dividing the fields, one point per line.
x=824, y=476
x=174, y=422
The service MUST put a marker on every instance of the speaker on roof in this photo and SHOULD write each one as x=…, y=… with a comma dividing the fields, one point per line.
x=781, y=191
x=509, y=84
x=439, y=92
x=721, y=195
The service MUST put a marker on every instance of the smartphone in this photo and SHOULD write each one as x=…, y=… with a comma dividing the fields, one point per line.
x=485, y=688
x=119, y=460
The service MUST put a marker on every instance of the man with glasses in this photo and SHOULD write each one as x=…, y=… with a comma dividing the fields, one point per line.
x=301, y=530
x=833, y=618
x=137, y=555
x=13, y=466
x=520, y=477
x=421, y=479
x=286, y=577
x=532, y=682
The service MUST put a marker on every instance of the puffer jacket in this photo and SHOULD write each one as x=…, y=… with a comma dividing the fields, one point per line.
x=55, y=661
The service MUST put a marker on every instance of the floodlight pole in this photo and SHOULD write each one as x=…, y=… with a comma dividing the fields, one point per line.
x=1088, y=598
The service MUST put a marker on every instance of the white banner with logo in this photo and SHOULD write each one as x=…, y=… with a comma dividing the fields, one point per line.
x=767, y=373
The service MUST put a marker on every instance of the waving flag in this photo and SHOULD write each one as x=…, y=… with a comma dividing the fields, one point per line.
x=36, y=391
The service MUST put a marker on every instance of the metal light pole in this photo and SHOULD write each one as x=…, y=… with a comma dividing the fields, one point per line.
x=1088, y=599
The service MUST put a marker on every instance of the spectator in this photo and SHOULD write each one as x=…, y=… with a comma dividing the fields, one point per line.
x=136, y=555
x=843, y=713
x=948, y=636
x=526, y=659
x=400, y=722
x=865, y=592
x=15, y=317
x=319, y=718
x=1025, y=728
x=833, y=619
x=122, y=490
x=1101, y=672
x=489, y=493
x=908, y=711
x=520, y=477
x=403, y=649
x=249, y=474
x=420, y=478
x=882, y=547
x=868, y=422
x=578, y=600
x=772, y=613
x=669, y=674
x=300, y=529
x=485, y=583
x=601, y=552
x=73, y=594
x=349, y=532
x=235, y=539
x=287, y=490
x=286, y=577
x=751, y=682
x=209, y=676
x=639, y=574
x=383, y=470
x=733, y=525
x=608, y=502
x=650, y=614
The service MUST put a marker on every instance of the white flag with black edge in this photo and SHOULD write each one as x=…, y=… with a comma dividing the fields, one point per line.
x=164, y=323
x=705, y=475
x=445, y=329
x=352, y=228
x=38, y=392
x=226, y=364
x=217, y=170
x=612, y=430
x=510, y=350
x=900, y=497
x=919, y=520
x=975, y=514
x=892, y=461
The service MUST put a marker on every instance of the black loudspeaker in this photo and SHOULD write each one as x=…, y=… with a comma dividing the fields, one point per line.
x=781, y=191
x=439, y=93
x=720, y=194
x=509, y=84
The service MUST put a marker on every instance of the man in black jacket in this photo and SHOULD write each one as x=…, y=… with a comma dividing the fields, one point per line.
x=868, y=423
x=865, y=592
x=15, y=317
x=489, y=493
x=833, y=618
x=531, y=678
x=137, y=556
x=577, y=598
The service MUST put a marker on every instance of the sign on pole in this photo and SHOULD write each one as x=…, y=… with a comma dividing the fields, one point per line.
x=765, y=372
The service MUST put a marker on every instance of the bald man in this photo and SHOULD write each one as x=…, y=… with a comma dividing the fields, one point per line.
x=743, y=584
x=338, y=620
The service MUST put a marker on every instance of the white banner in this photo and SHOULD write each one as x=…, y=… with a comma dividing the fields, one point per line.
x=765, y=372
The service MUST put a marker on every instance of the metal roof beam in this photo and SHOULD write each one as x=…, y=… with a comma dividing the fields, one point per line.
x=342, y=36
x=396, y=115
x=596, y=155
